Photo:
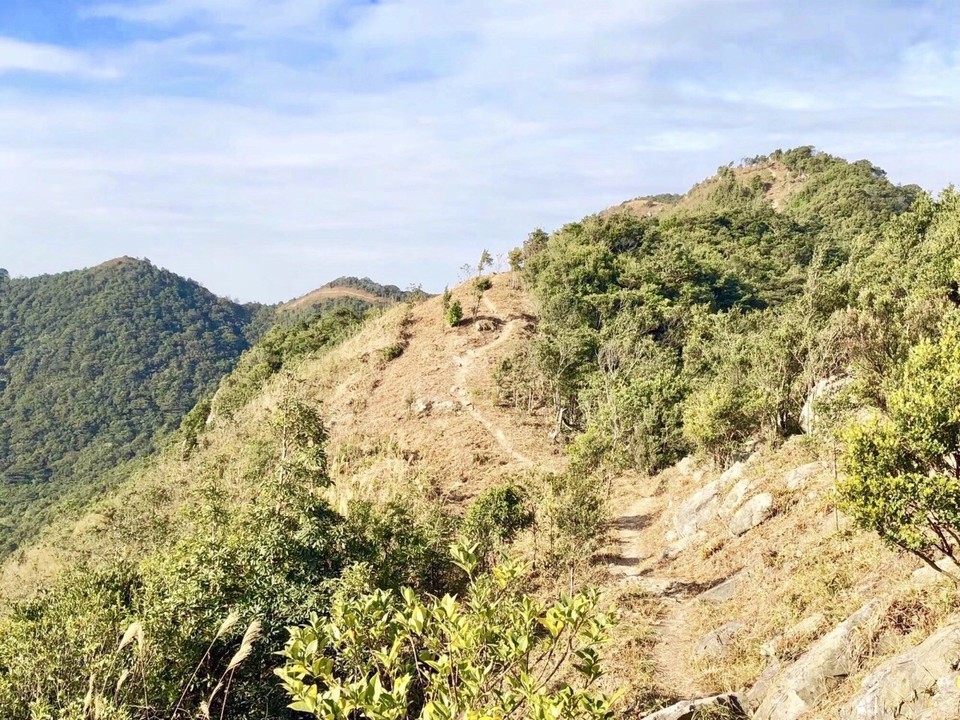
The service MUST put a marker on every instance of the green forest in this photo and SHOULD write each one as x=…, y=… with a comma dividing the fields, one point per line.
x=700, y=330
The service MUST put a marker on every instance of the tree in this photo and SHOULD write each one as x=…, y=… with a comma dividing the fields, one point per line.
x=493, y=653
x=903, y=469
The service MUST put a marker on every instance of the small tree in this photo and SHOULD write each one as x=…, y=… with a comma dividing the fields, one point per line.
x=903, y=469
x=494, y=653
x=454, y=313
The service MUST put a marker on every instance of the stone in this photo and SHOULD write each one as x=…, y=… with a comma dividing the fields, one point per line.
x=820, y=392
x=797, y=478
x=724, y=591
x=797, y=689
x=728, y=705
x=754, y=511
x=673, y=550
x=654, y=586
x=736, y=496
x=927, y=574
x=714, y=642
x=687, y=465
x=702, y=506
x=756, y=693
x=921, y=682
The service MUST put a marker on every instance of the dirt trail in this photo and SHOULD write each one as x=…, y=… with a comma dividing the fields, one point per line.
x=637, y=564
x=465, y=363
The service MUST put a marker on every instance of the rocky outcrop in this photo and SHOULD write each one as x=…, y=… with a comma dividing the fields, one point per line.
x=713, y=643
x=754, y=511
x=920, y=683
x=729, y=705
x=724, y=591
x=836, y=655
x=699, y=509
x=798, y=478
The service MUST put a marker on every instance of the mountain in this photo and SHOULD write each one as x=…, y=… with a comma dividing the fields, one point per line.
x=95, y=367
x=731, y=415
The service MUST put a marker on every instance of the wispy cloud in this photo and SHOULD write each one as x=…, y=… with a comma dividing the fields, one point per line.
x=265, y=146
x=29, y=57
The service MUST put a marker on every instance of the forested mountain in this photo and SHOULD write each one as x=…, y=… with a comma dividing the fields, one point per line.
x=95, y=366
x=734, y=411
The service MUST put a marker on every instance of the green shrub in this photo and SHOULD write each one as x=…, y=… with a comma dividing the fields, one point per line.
x=496, y=516
x=902, y=478
x=454, y=313
x=492, y=653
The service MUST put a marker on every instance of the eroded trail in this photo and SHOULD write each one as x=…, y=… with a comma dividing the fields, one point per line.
x=636, y=566
x=464, y=363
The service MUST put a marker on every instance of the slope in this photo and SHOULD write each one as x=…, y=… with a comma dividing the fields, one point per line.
x=95, y=366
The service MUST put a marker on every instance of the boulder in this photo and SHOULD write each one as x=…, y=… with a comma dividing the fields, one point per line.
x=797, y=478
x=702, y=506
x=724, y=591
x=736, y=496
x=927, y=574
x=921, y=682
x=834, y=656
x=823, y=390
x=713, y=643
x=728, y=705
x=754, y=511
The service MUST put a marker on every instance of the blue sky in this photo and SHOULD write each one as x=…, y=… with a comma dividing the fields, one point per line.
x=263, y=147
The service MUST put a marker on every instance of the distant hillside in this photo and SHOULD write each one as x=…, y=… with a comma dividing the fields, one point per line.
x=358, y=294
x=95, y=366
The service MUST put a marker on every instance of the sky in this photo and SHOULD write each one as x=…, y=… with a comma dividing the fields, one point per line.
x=264, y=147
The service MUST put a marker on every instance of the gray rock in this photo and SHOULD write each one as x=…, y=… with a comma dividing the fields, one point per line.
x=702, y=506
x=736, y=496
x=927, y=574
x=921, y=682
x=654, y=586
x=686, y=466
x=760, y=688
x=724, y=591
x=713, y=643
x=754, y=511
x=797, y=478
x=834, y=656
x=823, y=390
x=729, y=703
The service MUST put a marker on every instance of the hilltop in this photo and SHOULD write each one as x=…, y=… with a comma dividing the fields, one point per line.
x=682, y=407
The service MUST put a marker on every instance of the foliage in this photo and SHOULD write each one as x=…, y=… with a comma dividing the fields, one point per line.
x=277, y=350
x=454, y=313
x=274, y=559
x=704, y=327
x=385, y=656
x=496, y=516
x=96, y=367
x=903, y=469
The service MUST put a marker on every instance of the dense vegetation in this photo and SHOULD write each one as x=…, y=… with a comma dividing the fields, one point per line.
x=704, y=328
x=96, y=366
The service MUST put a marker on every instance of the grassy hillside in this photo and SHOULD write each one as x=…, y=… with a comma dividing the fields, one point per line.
x=626, y=410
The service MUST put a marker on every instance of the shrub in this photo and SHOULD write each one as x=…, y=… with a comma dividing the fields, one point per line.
x=492, y=653
x=454, y=313
x=903, y=469
x=496, y=516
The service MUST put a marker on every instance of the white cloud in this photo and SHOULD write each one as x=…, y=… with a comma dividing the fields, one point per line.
x=19, y=56
x=263, y=147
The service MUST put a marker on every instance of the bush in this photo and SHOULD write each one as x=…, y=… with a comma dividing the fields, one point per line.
x=492, y=653
x=496, y=516
x=903, y=469
x=454, y=313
